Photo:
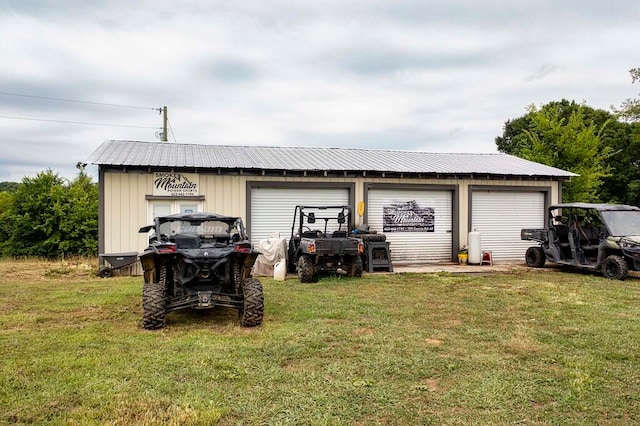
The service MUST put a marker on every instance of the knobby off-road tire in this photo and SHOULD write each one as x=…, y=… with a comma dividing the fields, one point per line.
x=355, y=267
x=372, y=238
x=305, y=269
x=535, y=257
x=154, y=302
x=253, y=310
x=615, y=267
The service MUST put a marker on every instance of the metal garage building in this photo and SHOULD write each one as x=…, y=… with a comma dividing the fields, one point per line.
x=450, y=194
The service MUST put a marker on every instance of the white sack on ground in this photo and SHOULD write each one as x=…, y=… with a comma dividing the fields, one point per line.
x=272, y=250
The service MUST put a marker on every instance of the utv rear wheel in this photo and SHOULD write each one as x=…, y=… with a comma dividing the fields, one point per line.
x=253, y=310
x=305, y=269
x=535, y=257
x=153, y=306
x=615, y=267
x=355, y=268
x=154, y=301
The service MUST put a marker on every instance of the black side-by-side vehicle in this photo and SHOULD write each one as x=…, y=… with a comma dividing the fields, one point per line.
x=200, y=261
x=604, y=237
x=321, y=242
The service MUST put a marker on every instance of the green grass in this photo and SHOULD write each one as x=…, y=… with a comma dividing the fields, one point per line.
x=527, y=347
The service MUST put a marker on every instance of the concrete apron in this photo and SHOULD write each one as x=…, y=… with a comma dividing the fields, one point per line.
x=461, y=269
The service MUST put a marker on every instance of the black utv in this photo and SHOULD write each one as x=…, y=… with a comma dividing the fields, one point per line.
x=604, y=237
x=320, y=242
x=200, y=261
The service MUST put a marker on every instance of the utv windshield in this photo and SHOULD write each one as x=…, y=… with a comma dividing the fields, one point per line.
x=622, y=222
x=201, y=228
x=325, y=219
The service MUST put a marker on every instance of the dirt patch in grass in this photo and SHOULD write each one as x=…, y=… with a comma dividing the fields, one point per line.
x=37, y=270
x=364, y=331
x=431, y=385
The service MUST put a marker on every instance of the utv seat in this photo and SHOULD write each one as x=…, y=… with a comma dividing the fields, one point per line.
x=339, y=234
x=590, y=235
x=562, y=233
x=589, y=238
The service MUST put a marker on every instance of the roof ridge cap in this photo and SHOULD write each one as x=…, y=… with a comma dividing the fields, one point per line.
x=298, y=147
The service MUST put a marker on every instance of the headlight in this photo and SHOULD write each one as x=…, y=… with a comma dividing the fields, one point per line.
x=629, y=244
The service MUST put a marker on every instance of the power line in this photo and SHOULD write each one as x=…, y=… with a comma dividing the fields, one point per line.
x=75, y=122
x=76, y=101
x=171, y=128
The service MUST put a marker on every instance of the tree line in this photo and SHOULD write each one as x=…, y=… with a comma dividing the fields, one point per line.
x=602, y=147
x=49, y=216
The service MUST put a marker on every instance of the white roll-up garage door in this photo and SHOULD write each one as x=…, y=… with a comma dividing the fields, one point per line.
x=272, y=208
x=500, y=215
x=420, y=245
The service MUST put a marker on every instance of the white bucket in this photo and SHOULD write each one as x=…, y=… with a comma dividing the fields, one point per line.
x=280, y=270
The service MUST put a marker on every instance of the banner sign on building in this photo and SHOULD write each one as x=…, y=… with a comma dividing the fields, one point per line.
x=175, y=184
x=407, y=216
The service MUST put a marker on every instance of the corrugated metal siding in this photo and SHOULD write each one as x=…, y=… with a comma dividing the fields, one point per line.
x=224, y=194
x=500, y=215
x=155, y=154
x=125, y=211
x=272, y=208
x=416, y=247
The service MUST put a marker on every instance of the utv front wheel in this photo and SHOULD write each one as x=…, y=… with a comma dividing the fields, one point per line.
x=535, y=257
x=153, y=306
x=355, y=268
x=615, y=267
x=253, y=310
x=305, y=269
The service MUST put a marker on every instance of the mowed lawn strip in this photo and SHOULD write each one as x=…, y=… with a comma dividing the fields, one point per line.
x=530, y=346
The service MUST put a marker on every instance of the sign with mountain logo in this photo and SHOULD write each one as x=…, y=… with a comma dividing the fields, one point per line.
x=407, y=216
x=175, y=184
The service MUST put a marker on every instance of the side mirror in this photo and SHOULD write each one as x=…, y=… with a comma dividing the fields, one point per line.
x=341, y=218
x=311, y=218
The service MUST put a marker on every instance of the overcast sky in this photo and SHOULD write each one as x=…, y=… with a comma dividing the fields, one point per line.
x=435, y=76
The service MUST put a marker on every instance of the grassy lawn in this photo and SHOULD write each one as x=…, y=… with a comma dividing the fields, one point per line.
x=525, y=347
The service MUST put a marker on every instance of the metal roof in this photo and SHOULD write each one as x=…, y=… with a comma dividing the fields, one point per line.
x=174, y=155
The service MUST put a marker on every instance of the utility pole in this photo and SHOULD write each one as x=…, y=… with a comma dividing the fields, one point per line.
x=165, y=124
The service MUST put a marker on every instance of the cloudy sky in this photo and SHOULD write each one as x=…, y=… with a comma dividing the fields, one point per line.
x=435, y=76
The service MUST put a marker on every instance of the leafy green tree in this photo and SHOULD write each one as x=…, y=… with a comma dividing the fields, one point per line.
x=6, y=209
x=79, y=224
x=38, y=207
x=623, y=183
x=48, y=217
x=630, y=108
x=559, y=135
x=514, y=137
x=9, y=186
